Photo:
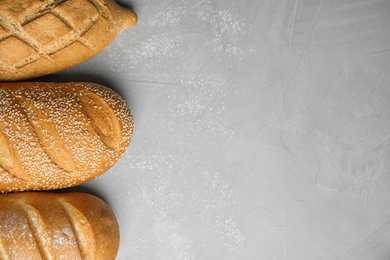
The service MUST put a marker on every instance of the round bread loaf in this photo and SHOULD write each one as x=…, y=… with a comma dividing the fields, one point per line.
x=58, y=135
x=41, y=225
x=40, y=37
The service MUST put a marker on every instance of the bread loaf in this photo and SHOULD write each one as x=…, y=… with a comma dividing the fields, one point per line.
x=57, y=135
x=41, y=225
x=39, y=37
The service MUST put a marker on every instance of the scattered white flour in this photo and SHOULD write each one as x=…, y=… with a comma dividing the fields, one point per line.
x=181, y=207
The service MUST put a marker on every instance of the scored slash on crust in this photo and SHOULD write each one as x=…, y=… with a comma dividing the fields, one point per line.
x=40, y=232
x=9, y=160
x=48, y=136
x=83, y=231
x=103, y=118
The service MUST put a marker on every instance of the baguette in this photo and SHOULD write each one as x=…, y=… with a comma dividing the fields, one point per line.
x=41, y=225
x=40, y=37
x=58, y=135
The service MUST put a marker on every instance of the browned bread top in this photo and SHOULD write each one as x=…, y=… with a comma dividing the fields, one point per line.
x=57, y=135
x=41, y=225
x=39, y=37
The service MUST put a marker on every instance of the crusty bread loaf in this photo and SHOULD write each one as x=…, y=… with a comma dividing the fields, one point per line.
x=57, y=135
x=39, y=37
x=42, y=225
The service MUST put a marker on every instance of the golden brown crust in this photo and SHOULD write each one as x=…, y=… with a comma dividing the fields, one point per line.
x=39, y=37
x=48, y=136
x=57, y=135
x=41, y=225
x=103, y=118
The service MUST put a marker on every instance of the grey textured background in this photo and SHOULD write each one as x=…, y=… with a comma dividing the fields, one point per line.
x=262, y=129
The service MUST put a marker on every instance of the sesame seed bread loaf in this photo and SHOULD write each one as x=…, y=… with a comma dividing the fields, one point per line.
x=42, y=225
x=40, y=37
x=58, y=135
